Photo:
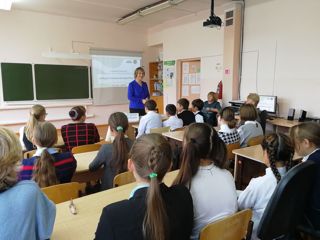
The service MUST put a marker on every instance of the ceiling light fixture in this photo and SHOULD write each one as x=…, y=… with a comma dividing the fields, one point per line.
x=6, y=4
x=152, y=8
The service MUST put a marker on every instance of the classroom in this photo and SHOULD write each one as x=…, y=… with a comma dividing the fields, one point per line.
x=268, y=47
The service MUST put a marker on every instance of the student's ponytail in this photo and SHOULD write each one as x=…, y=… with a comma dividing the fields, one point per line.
x=218, y=150
x=155, y=224
x=279, y=149
x=190, y=162
x=44, y=172
x=118, y=122
x=152, y=157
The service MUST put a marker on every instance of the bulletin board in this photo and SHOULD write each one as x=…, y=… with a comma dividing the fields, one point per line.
x=190, y=80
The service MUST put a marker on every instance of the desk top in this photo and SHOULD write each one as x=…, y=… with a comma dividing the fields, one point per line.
x=84, y=159
x=255, y=153
x=281, y=122
x=177, y=135
x=84, y=224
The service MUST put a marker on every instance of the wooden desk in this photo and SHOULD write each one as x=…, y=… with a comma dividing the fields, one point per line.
x=84, y=224
x=282, y=123
x=255, y=154
x=177, y=135
x=82, y=173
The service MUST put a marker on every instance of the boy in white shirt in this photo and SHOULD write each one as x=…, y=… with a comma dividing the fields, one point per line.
x=151, y=120
x=173, y=122
x=197, y=105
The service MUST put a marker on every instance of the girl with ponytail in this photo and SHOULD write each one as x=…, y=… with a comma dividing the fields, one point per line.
x=202, y=170
x=278, y=152
x=228, y=132
x=113, y=157
x=37, y=114
x=47, y=166
x=153, y=211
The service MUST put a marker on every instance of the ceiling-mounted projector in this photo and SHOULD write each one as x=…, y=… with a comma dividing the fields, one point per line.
x=213, y=20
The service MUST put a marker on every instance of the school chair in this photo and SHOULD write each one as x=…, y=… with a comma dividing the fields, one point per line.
x=287, y=205
x=238, y=226
x=64, y=192
x=160, y=130
x=86, y=148
x=255, y=141
x=123, y=178
x=179, y=129
x=29, y=154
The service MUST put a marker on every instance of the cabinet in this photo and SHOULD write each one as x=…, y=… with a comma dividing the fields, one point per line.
x=156, y=84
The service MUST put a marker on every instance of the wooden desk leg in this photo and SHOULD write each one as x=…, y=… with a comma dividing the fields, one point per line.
x=235, y=167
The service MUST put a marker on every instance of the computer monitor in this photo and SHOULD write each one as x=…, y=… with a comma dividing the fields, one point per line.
x=268, y=103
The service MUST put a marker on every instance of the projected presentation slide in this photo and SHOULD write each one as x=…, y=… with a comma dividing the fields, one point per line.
x=113, y=71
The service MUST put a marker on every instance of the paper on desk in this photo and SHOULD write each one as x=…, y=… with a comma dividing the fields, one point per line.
x=185, y=90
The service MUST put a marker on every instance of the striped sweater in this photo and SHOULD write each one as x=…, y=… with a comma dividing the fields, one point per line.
x=64, y=163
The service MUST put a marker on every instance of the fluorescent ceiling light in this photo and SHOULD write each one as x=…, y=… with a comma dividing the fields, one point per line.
x=129, y=18
x=149, y=10
x=6, y=4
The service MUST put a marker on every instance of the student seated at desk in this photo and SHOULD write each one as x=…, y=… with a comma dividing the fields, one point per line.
x=203, y=171
x=25, y=212
x=306, y=138
x=262, y=116
x=173, y=122
x=211, y=108
x=250, y=127
x=277, y=152
x=197, y=105
x=228, y=132
x=79, y=133
x=153, y=210
x=113, y=156
x=183, y=112
x=37, y=114
x=47, y=167
x=151, y=120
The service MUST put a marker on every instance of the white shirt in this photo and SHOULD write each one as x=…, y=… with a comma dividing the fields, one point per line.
x=214, y=196
x=173, y=122
x=198, y=117
x=148, y=121
x=21, y=132
x=257, y=195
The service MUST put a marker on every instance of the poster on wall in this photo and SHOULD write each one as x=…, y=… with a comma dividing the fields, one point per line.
x=169, y=71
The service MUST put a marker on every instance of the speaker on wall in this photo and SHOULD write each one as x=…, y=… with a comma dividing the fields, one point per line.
x=303, y=115
x=291, y=113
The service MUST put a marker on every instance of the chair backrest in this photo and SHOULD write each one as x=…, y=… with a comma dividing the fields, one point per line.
x=234, y=227
x=63, y=192
x=123, y=178
x=255, y=141
x=160, y=130
x=29, y=154
x=86, y=148
x=230, y=148
x=287, y=204
x=179, y=129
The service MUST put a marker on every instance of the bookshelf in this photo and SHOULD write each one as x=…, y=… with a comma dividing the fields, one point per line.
x=156, y=83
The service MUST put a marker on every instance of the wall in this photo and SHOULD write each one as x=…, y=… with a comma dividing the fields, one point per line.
x=26, y=35
x=281, y=52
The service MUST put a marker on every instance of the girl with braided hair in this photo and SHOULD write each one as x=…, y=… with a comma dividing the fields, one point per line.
x=202, y=170
x=278, y=151
x=153, y=210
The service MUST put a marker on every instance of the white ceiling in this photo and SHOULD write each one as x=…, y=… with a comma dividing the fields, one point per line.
x=112, y=10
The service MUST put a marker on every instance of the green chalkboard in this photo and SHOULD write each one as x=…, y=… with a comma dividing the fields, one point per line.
x=17, y=81
x=61, y=82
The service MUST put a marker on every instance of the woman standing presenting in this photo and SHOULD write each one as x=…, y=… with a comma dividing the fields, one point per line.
x=138, y=92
